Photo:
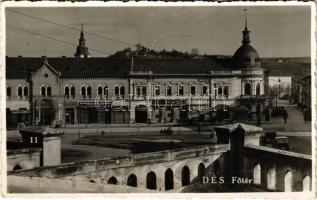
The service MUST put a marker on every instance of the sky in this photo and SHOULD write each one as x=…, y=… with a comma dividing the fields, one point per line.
x=276, y=31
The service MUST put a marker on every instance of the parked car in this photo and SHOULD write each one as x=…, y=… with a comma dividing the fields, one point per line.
x=268, y=138
x=281, y=142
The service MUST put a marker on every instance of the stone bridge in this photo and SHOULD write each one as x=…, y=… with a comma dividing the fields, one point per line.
x=163, y=170
x=277, y=170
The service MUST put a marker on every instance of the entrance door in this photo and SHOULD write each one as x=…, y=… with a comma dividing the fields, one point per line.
x=141, y=114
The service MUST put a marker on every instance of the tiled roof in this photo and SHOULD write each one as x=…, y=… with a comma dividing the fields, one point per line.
x=19, y=67
x=70, y=67
x=201, y=65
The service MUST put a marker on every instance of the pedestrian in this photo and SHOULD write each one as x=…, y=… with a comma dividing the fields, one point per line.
x=285, y=116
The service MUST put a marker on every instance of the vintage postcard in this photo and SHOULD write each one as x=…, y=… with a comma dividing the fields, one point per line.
x=145, y=99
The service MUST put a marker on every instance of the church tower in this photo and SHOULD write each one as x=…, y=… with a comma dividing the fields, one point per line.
x=82, y=49
x=246, y=55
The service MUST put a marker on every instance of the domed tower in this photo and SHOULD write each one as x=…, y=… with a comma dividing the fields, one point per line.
x=246, y=55
x=82, y=49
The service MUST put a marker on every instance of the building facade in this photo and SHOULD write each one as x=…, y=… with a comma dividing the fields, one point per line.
x=135, y=89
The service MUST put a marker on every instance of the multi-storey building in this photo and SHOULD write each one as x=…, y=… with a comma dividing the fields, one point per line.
x=85, y=89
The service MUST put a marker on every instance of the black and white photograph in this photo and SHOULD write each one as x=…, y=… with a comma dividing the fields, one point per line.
x=159, y=99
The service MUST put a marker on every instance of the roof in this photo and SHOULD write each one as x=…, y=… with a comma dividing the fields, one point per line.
x=201, y=65
x=278, y=73
x=20, y=67
x=232, y=127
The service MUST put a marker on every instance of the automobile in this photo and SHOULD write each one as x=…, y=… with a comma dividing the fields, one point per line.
x=167, y=131
x=268, y=138
x=281, y=142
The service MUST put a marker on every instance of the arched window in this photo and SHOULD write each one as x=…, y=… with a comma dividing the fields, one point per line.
x=89, y=91
x=83, y=92
x=49, y=91
x=271, y=179
x=8, y=91
x=192, y=90
x=112, y=180
x=258, y=89
x=25, y=91
x=132, y=181
x=180, y=90
x=169, y=179
x=17, y=167
x=67, y=92
x=205, y=90
x=219, y=90
x=306, y=184
x=157, y=91
x=247, y=89
x=43, y=91
x=122, y=91
x=105, y=91
x=20, y=92
x=257, y=174
x=100, y=90
x=72, y=91
x=226, y=91
x=138, y=91
x=151, y=181
x=288, y=181
x=117, y=90
x=185, y=176
x=144, y=92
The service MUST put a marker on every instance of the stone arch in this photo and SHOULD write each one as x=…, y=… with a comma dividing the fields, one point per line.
x=271, y=179
x=247, y=89
x=201, y=172
x=151, y=181
x=113, y=180
x=288, y=181
x=132, y=180
x=185, y=176
x=169, y=179
x=306, y=183
x=17, y=167
x=257, y=174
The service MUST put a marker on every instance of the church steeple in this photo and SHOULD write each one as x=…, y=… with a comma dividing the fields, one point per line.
x=246, y=32
x=82, y=49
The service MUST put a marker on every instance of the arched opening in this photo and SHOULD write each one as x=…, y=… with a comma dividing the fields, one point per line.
x=17, y=167
x=169, y=179
x=257, y=174
x=185, y=176
x=83, y=91
x=20, y=91
x=271, y=179
x=258, y=89
x=26, y=91
x=151, y=181
x=201, y=172
x=288, y=181
x=99, y=90
x=112, y=180
x=247, y=89
x=46, y=112
x=141, y=114
x=66, y=91
x=132, y=181
x=122, y=91
x=306, y=184
x=8, y=91
x=49, y=91
x=89, y=91
x=43, y=91
x=72, y=91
